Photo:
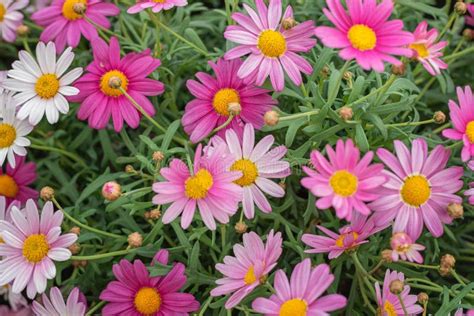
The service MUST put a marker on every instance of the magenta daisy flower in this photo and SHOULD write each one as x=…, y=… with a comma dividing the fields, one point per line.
x=470, y=14
x=462, y=117
x=32, y=244
x=10, y=18
x=389, y=303
x=419, y=189
x=65, y=25
x=403, y=247
x=100, y=100
x=346, y=182
x=137, y=293
x=208, y=187
x=249, y=268
x=215, y=97
x=14, y=182
x=272, y=48
x=301, y=295
x=470, y=192
x=156, y=5
x=364, y=33
x=55, y=305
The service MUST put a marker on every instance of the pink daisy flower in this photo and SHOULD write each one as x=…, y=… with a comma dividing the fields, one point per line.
x=55, y=305
x=137, y=293
x=100, y=101
x=426, y=51
x=462, y=117
x=273, y=49
x=65, y=26
x=5, y=310
x=249, y=268
x=346, y=182
x=5, y=210
x=32, y=243
x=419, y=189
x=10, y=18
x=301, y=295
x=364, y=33
x=14, y=182
x=389, y=304
x=156, y=5
x=403, y=247
x=470, y=192
x=208, y=187
x=470, y=15
x=214, y=97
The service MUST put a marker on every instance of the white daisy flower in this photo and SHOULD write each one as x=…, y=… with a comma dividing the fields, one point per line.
x=3, y=76
x=43, y=85
x=11, y=18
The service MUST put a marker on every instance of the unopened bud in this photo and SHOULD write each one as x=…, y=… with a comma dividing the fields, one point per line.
x=325, y=72
x=135, y=240
x=129, y=169
x=444, y=271
x=234, y=108
x=111, y=191
x=75, y=248
x=79, y=263
x=271, y=118
x=387, y=255
x=455, y=210
x=396, y=287
x=423, y=298
x=75, y=230
x=22, y=30
x=347, y=75
x=158, y=156
x=47, y=193
x=240, y=227
x=460, y=8
x=346, y=113
x=398, y=70
x=282, y=185
x=289, y=23
x=439, y=117
x=447, y=261
x=468, y=34
x=115, y=82
x=79, y=8
x=153, y=214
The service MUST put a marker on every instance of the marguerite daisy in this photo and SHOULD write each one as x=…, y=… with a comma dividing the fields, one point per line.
x=10, y=18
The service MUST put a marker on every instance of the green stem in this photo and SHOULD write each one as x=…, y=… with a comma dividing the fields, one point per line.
x=95, y=308
x=379, y=264
x=387, y=84
x=104, y=255
x=403, y=304
x=231, y=117
x=60, y=151
x=228, y=12
x=385, y=87
x=425, y=89
x=419, y=266
x=103, y=29
x=457, y=277
x=333, y=95
x=451, y=20
x=365, y=274
x=299, y=115
x=411, y=123
x=455, y=56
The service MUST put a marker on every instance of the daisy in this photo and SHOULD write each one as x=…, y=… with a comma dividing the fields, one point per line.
x=215, y=97
x=12, y=131
x=16, y=300
x=419, y=189
x=10, y=18
x=470, y=192
x=135, y=292
x=389, y=304
x=101, y=100
x=346, y=182
x=364, y=33
x=14, y=181
x=462, y=117
x=43, y=85
x=3, y=76
x=470, y=15
x=403, y=247
x=302, y=295
x=249, y=268
x=32, y=243
x=156, y=5
x=65, y=24
x=5, y=310
x=272, y=48
x=55, y=305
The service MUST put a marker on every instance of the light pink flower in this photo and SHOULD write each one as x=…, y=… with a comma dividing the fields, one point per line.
x=364, y=33
x=273, y=49
x=156, y=6
x=470, y=192
x=462, y=117
x=250, y=266
x=15, y=181
x=55, y=305
x=5, y=310
x=403, y=247
x=419, y=189
x=301, y=295
x=11, y=18
x=346, y=182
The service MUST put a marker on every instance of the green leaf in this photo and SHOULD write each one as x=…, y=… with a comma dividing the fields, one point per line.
x=361, y=138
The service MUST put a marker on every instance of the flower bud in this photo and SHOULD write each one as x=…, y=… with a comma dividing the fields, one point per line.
x=460, y=8
x=240, y=227
x=282, y=185
x=396, y=287
x=444, y=271
x=447, y=261
x=115, y=82
x=347, y=75
x=158, y=156
x=439, y=117
x=79, y=8
x=153, y=214
x=468, y=34
x=22, y=30
x=79, y=263
x=271, y=118
x=400, y=241
x=75, y=248
x=75, y=230
x=423, y=298
x=346, y=113
x=398, y=70
x=47, y=193
x=289, y=23
x=325, y=72
x=455, y=210
x=129, y=169
x=234, y=108
x=387, y=255
x=111, y=191
x=135, y=240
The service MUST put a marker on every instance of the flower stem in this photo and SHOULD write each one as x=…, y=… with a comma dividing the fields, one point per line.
x=419, y=266
x=104, y=255
x=299, y=115
x=455, y=56
x=60, y=151
x=379, y=264
x=403, y=304
x=448, y=25
x=383, y=88
x=95, y=308
x=231, y=117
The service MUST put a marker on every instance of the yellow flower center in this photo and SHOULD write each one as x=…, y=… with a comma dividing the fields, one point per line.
x=272, y=43
x=389, y=309
x=197, y=186
x=8, y=186
x=159, y=1
x=105, y=83
x=362, y=37
x=147, y=301
x=249, y=172
x=47, y=86
x=7, y=135
x=223, y=98
x=35, y=248
x=250, y=277
x=68, y=9
x=420, y=50
x=1, y=240
x=470, y=131
x=415, y=190
x=343, y=183
x=294, y=307
x=340, y=240
x=2, y=12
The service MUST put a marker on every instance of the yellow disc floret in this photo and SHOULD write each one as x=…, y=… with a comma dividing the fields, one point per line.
x=47, y=86
x=68, y=9
x=420, y=49
x=470, y=131
x=3, y=11
x=35, y=248
x=8, y=186
x=115, y=75
x=340, y=240
x=223, y=98
x=197, y=186
x=343, y=183
x=272, y=43
x=250, y=277
x=294, y=307
x=249, y=172
x=362, y=37
x=147, y=301
x=7, y=135
x=416, y=190
x=389, y=309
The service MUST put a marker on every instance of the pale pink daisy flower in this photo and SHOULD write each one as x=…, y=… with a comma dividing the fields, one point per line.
x=419, y=189
x=156, y=5
x=470, y=192
x=5, y=310
x=364, y=33
x=208, y=187
x=249, y=268
x=216, y=97
x=3, y=76
x=389, y=304
x=16, y=301
x=14, y=182
x=345, y=182
x=55, y=305
x=65, y=26
x=301, y=295
x=462, y=117
x=403, y=247
x=10, y=18
x=272, y=48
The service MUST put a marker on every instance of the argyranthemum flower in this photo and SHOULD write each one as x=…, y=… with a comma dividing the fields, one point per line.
x=5, y=310
x=470, y=15
x=42, y=85
x=32, y=244
x=137, y=293
x=10, y=18
x=16, y=300
x=156, y=5
x=3, y=76
x=12, y=131
x=426, y=51
x=55, y=305
x=208, y=187
x=419, y=189
x=249, y=268
x=98, y=95
x=301, y=296
x=14, y=181
x=273, y=49
x=65, y=24
x=214, y=97
x=345, y=182
x=364, y=33
x=389, y=304
x=403, y=247
x=462, y=117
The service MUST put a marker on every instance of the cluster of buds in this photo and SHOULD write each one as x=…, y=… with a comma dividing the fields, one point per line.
x=152, y=215
x=135, y=240
x=240, y=227
x=446, y=264
x=158, y=156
